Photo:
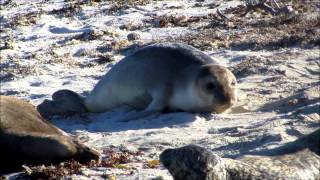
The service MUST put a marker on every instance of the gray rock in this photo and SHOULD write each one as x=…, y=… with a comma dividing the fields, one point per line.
x=193, y=162
x=296, y=160
x=133, y=36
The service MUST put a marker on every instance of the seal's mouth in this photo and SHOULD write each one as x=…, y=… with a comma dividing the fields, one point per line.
x=222, y=107
x=220, y=110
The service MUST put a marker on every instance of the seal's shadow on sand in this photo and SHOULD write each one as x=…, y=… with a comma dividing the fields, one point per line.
x=304, y=101
x=109, y=121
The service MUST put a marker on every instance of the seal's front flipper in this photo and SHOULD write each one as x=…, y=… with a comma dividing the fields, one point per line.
x=139, y=115
x=64, y=102
x=154, y=108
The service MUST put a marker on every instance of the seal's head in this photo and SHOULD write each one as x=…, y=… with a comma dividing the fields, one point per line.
x=217, y=88
x=85, y=154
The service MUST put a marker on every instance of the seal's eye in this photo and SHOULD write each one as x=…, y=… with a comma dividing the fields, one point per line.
x=210, y=86
x=233, y=83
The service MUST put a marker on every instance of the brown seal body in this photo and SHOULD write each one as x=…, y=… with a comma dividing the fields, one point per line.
x=162, y=76
x=27, y=138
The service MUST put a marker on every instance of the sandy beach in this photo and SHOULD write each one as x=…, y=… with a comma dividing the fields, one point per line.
x=63, y=44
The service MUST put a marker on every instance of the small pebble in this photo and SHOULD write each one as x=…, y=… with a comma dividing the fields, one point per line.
x=133, y=36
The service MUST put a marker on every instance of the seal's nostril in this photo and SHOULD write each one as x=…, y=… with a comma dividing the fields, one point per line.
x=227, y=98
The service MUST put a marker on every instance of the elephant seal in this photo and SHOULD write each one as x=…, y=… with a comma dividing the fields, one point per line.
x=27, y=138
x=296, y=160
x=161, y=76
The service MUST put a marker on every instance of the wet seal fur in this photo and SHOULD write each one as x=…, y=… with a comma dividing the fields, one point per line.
x=169, y=76
x=27, y=138
x=296, y=160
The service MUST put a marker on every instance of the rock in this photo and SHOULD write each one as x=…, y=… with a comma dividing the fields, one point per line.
x=193, y=163
x=296, y=160
x=133, y=36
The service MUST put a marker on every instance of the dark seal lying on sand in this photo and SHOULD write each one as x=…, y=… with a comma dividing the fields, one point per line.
x=296, y=160
x=27, y=138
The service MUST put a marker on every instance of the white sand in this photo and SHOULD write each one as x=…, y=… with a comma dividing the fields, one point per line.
x=263, y=118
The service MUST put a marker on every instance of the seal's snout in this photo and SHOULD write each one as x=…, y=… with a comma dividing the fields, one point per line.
x=230, y=98
x=233, y=100
x=225, y=100
x=85, y=154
